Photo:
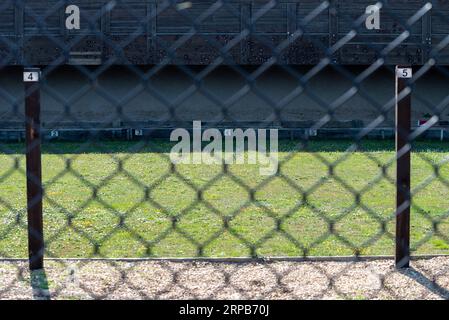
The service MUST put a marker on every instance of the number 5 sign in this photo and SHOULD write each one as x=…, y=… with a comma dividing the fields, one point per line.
x=404, y=73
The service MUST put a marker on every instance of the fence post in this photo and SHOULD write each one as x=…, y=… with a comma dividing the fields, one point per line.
x=403, y=129
x=31, y=78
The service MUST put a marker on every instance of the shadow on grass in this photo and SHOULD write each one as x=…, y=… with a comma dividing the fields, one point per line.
x=165, y=146
x=431, y=285
x=39, y=285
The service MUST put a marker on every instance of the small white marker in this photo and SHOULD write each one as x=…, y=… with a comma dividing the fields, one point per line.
x=404, y=73
x=31, y=76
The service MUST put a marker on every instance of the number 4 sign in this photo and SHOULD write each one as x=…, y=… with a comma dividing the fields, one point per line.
x=31, y=76
x=406, y=73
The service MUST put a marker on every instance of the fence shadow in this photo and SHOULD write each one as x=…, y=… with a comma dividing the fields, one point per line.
x=430, y=285
x=39, y=285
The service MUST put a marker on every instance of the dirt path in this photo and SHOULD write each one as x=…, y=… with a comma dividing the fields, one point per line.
x=113, y=279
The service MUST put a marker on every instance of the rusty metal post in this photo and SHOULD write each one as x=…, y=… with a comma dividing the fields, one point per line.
x=403, y=147
x=31, y=77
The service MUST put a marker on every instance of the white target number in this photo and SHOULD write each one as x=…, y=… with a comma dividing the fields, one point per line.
x=31, y=76
x=404, y=73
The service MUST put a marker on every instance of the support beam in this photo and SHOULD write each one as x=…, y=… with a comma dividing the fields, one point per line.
x=403, y=147
x=31, y=79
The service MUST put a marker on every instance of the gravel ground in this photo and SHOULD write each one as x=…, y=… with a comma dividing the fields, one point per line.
x=150, y=279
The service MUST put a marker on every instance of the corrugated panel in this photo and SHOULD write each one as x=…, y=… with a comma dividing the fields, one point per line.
x=6, y=19
x=222, y=25
x=440, y=29
x=91, y=13
x=128, y=18
x=320, y=24
x=42, y=16
x=222, y=20
x=388, y=5
x=440, y=22
x=391, y=21
x=393, y=16
x=273, y=20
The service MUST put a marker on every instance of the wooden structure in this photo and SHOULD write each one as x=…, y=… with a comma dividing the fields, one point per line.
x=150, y=31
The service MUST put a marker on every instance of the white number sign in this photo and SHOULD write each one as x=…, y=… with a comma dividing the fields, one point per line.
x=404, y=73
x=31, y=76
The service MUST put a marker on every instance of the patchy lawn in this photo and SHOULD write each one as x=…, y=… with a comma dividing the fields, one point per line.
x=121, y=199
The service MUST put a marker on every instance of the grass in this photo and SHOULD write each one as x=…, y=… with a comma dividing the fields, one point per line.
x=97, y=204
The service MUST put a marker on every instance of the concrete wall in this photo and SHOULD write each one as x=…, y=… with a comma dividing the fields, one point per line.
x=224, y=89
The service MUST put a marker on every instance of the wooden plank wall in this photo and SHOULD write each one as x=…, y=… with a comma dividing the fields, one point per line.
x=149, y=31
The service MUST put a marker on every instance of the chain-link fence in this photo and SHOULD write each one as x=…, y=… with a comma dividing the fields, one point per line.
x=224, y=149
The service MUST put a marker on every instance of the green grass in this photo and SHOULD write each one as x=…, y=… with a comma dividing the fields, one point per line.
x=122, y=222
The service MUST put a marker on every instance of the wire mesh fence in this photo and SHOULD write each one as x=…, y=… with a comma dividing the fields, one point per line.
x=223, y=149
